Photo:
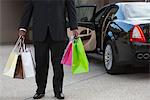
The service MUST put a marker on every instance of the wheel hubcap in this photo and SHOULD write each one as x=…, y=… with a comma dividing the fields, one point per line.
x=108, y=57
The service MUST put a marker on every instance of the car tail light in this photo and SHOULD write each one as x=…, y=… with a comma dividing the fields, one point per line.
x=137, y=35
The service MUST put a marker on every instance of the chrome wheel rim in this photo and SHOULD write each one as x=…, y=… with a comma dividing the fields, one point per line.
x=108, y=57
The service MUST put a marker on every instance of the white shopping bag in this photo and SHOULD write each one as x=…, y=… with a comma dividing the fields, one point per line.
x=28, y=63
x=10, y=66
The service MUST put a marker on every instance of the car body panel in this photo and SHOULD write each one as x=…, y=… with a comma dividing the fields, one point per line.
x=119, y=32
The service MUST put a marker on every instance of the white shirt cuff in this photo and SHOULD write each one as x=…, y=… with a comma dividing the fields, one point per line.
x=22, y=29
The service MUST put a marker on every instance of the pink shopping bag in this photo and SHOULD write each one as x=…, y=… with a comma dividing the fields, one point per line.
x=67, y=57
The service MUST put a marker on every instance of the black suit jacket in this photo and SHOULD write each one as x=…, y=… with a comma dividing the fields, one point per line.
x=50, y=13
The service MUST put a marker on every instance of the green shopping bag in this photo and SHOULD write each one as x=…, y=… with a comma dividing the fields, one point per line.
x=80, y=62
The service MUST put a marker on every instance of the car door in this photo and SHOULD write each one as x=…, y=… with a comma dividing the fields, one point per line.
x=98, y=20
x=86, y=28
x=108, y=17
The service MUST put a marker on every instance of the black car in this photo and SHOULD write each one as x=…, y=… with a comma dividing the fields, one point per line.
x=120, y=31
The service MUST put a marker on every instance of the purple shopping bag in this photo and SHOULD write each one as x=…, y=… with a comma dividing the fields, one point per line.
x=67, y=57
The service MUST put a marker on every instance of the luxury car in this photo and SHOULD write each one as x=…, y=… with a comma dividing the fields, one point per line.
x=119, y=31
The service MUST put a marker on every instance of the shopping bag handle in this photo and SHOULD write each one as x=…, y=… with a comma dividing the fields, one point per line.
x=23, y=46
x=19, y=43
x=72, y=38
x=75, y=39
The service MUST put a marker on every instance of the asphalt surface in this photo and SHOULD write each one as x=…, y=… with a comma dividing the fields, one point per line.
x=95, y=85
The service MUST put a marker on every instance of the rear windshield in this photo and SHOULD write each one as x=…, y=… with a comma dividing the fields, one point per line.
x=138, y=11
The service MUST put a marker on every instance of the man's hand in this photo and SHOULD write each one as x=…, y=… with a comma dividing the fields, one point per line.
x=75, y=32
x=22, y=33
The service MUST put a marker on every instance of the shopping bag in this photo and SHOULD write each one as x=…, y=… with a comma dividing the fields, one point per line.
x=11, y=64
x=19, y=73
x=80, y=62
x=67, y=57
x=20, y=63
x=28, y=63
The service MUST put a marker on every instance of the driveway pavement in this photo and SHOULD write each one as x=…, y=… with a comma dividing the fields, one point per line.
x=95, y=85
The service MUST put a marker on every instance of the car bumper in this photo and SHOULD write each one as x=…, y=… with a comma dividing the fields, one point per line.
x=134, y=53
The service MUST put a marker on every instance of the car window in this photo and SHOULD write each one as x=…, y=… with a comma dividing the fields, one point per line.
x=112, y=11
x=99, y=14
x=138, y=10
x=85, y=13
x=109, y=16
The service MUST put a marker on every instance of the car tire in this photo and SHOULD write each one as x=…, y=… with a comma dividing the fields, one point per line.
x=110, y=59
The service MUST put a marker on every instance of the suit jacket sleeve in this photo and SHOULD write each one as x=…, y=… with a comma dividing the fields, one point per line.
x=70, y=4
x=25, y=20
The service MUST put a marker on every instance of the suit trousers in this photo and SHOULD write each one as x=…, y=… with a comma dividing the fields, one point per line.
x=42, y=63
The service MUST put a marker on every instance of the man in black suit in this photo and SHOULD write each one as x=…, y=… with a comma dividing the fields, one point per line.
x=49, y=31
